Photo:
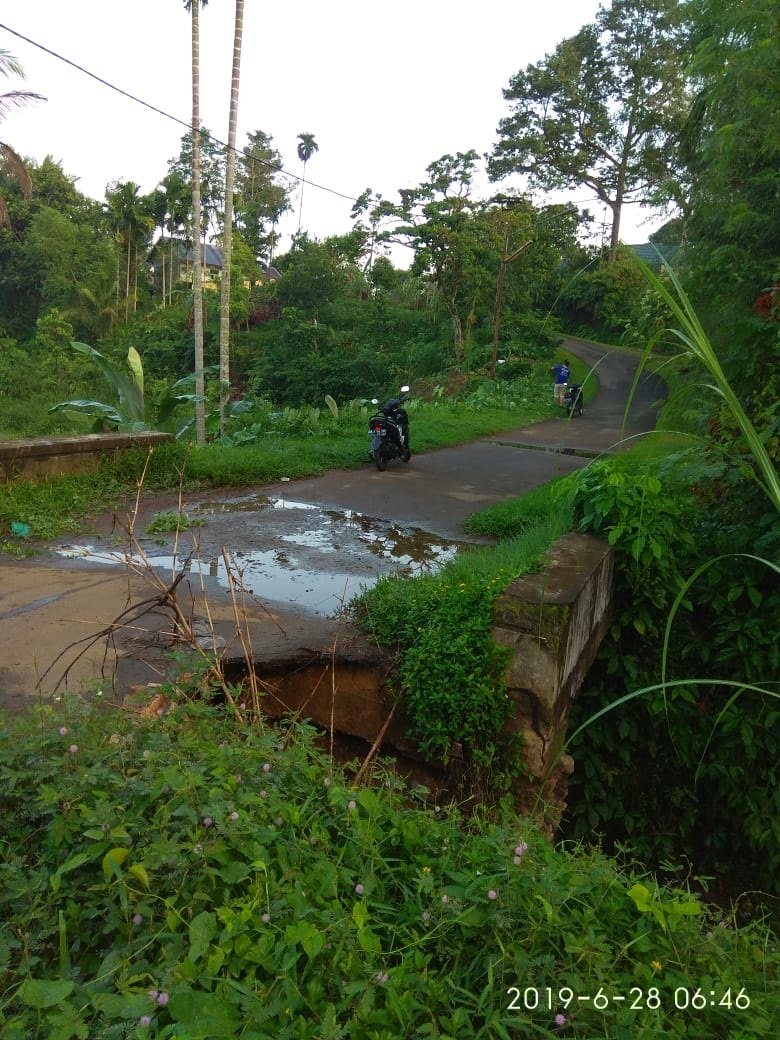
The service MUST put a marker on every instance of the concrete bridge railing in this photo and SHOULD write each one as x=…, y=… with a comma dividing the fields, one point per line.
x=52, y=456
x=554, y=623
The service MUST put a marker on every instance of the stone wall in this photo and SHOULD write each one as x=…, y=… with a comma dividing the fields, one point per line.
x=53, y=456
x=553, y=623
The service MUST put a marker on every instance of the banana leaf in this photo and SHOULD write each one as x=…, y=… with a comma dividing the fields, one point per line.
x=98, y=409
x=131, y=397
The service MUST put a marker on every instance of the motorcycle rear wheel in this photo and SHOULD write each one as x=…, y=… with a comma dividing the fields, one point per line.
x=380, y=459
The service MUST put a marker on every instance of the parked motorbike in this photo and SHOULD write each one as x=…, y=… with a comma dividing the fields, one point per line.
x=388, y=430
x=572, y=399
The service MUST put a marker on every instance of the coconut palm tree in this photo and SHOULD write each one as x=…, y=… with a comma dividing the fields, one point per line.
x=178, y=194
x=197, y=256
x=227, y=229
x=12, y=162
x=129, y=220
x=307, y=146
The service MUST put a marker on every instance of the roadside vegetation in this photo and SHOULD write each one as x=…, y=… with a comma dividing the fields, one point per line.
x=709, y=744
x=196, y=875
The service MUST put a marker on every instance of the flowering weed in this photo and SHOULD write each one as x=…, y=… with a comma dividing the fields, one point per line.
x=293, y=916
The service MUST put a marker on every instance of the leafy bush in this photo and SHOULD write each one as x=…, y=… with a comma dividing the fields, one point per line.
x=526, y=337
x=600, y=301
x=451, y=673
x=199, y=877
x=688, y=772
x=30, y=380
x=162, y=337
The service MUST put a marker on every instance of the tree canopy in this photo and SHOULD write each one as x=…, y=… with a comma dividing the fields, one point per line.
x=602, y=110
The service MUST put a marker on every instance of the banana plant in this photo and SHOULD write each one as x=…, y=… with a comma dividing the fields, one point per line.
x=133, y=412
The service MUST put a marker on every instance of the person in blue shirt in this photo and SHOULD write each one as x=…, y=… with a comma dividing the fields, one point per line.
x=561, y=373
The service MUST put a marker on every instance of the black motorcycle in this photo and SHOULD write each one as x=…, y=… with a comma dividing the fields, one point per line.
x=572, y=399
x=388, y=430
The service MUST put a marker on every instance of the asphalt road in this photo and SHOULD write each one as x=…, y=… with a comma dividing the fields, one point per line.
x=301, y=548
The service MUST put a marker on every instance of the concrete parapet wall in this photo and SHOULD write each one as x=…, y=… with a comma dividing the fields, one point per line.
x=53, y=456
x=553, y=623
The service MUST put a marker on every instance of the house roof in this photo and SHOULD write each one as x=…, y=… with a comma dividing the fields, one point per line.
x=210, y=255
x=649, y=252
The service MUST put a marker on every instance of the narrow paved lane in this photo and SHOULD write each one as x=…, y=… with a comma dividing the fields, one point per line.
x=438, y=490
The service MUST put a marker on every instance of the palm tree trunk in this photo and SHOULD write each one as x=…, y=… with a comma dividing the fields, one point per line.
x=197, y=272
x=170, y=273
x=127, y=281
x=227, y=227
x=300, y=207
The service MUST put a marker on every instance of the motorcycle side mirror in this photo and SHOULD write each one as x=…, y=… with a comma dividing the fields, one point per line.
x=404, y=389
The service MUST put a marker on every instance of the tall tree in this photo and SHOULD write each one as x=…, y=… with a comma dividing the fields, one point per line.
x=130, y=223
x=212, y=178
x=227, y=229
x=731, y=146
x=262, y=195
x=307, y=146
x=156, y=206
x=602, y=111
x=177, y=189
x=193, y=6
x=370, y=204
x=11, y=160
x=437, y=220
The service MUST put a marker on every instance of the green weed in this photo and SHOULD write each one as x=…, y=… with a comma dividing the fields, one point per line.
x=450, y=672
x=169, y=522
x=194, y=877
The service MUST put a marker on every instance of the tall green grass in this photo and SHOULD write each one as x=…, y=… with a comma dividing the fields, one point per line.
x=697, y=348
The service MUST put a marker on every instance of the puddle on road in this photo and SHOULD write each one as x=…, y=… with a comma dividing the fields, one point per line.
x=310, y=557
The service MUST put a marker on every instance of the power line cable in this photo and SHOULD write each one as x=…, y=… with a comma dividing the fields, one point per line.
x=167, y=115
x=187, y=125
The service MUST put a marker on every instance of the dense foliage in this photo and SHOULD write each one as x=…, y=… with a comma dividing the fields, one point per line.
x=686, y=774
x=202, y=876
x=450, y=677
x=265, y=443
x=645, y=111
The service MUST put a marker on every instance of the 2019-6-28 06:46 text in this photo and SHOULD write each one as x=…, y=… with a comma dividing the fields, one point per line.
x=682, y=998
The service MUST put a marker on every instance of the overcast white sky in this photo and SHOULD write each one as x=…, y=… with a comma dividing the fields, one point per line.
x=385, y=86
